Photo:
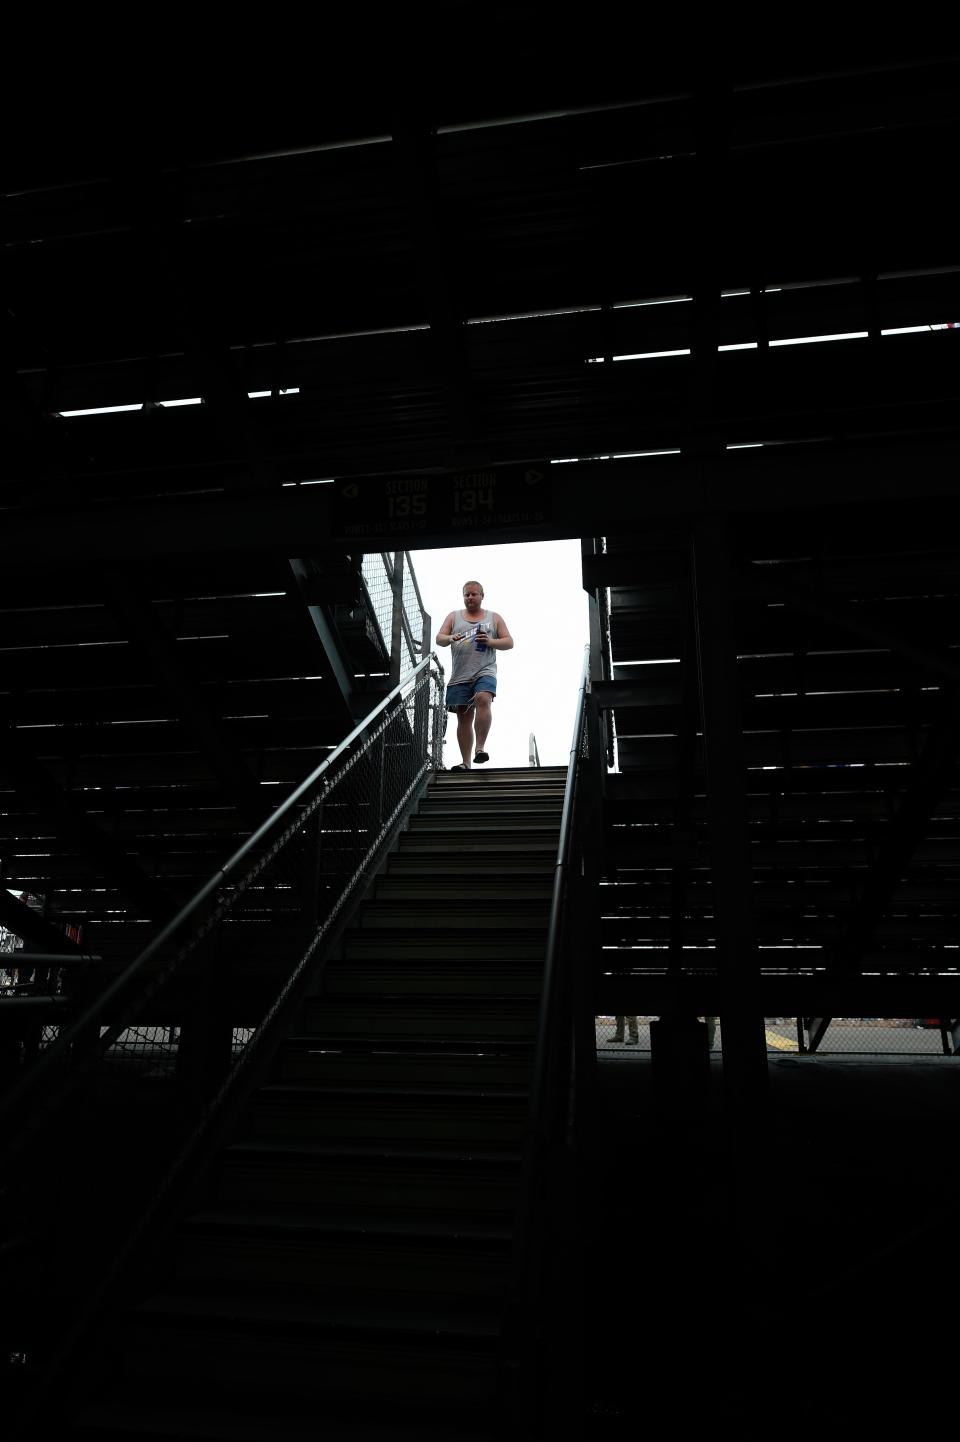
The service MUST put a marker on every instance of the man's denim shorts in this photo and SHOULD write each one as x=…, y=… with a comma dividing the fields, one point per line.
x=465, y=693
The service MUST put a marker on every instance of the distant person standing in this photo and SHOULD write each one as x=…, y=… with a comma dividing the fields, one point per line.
x=476, y=636
x=634, y=1030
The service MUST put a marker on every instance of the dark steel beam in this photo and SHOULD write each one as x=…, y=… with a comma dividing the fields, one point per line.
x=24, y=922
x=414, y=151
x=323, y=631
x=684, y=830
x=741, y=1017
x=587, y=498
x=812, y=996
x=816, y=1029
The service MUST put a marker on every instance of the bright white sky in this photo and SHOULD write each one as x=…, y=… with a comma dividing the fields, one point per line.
x=537, y=588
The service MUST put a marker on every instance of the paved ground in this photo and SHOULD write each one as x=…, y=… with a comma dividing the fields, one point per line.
x=783, y=1274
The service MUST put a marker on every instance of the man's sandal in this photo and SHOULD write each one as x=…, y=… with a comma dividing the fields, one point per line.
x=460, y=767
x=480, y=757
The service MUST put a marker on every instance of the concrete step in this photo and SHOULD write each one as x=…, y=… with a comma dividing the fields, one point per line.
x=485, y=908
x=331, y=1261
x=427, y=978
x=439, y=812
x=464, y=1017
x=305, y=1058
x=422, y=1115
x=451, y=945
x=506, y=776
x=453, y=1183
x=260, y=1351
x=185, y=1414
x=509, y=864
x=424, y=889
x=473, y=839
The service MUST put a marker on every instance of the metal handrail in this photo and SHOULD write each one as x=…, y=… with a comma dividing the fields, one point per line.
x=548, y=1048
x=92, y=1017
x=215, y=1114
x=47, y=958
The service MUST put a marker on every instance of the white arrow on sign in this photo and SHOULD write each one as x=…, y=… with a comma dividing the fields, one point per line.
x=532, y=477
x=351, y=491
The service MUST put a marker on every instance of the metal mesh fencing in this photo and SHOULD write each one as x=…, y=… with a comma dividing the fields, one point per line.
x=252, y=929
x=845, y=1036
x=393, y=592
x=416, y=622
x=276, y=895
x=298, y=889
x=8, y=942
x=377, y=571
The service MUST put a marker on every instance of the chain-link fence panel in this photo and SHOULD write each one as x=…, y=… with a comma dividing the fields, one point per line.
x=396, y=604
x=377, y=572
x=902, y=1036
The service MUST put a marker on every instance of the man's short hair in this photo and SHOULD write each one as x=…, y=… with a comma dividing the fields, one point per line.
x=472, y=583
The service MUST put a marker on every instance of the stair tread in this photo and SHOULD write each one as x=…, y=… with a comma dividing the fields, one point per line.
x=515, y=805
x=454, y=935
x=441, y=905
x=495, y=999
x=165, y=1419
x=415, y=1047
x=420, y=1093
x=394, y=1151
x=438, y=861
x=192, y=1423
x=341, y=1315
x=394, y=890
x=314, y=1223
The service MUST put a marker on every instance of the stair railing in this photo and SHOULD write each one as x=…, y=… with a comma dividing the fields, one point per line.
x=544, y=1220
x=409, y=717
x=331, y=833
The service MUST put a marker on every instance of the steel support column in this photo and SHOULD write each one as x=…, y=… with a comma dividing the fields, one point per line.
x=741, y=1017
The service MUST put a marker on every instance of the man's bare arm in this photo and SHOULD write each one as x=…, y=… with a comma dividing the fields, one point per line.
x=445, y=634
x=503, y=641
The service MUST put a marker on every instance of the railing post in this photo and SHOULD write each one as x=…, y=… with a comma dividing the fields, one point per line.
x=426, y=638
x=588, y=859
x=396, y=632
x=437, y=722
x=312, y=857
x=382, y=776
x=422, y=712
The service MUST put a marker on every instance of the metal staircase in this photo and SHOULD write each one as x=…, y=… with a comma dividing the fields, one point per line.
x=349, y=1265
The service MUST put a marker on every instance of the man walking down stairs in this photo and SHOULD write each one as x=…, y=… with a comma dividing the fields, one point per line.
x=348, y=1272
